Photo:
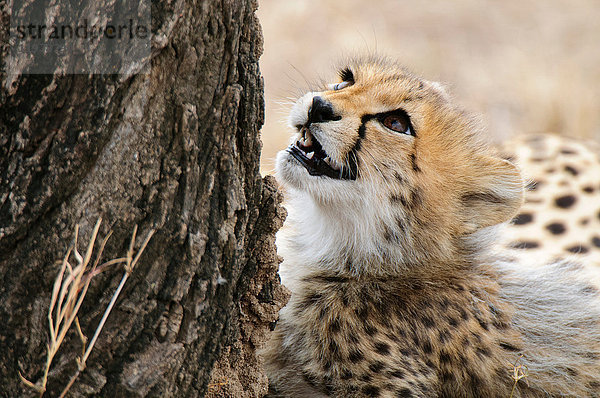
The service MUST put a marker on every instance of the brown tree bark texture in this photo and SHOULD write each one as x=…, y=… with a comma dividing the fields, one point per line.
x=176, y=150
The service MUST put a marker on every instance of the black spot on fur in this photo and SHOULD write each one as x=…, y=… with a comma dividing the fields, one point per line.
x=427, y=348
x=533, y=185
x=578, y=249
x=398, y=198
x=328, y=386
x=500, y=323
x=523, y=218
x=524, y=245
x=345, y=299
x=566, y=201
x=333, y=279
x=474, y=380
x=376, y=366
x=398, y=373
x=356, y=356
x=445, y=357
x=453, y=322
x=400, y=223
x=594, y=385
x=444, y=336
x=413, y=162
x=596, y=241
x=405, y=352
x=398, y=177
x=482, y=197
x=334, y=349
x=463, y=314
x=345, y=374
x=404, y=393
x=362, y=311
x=444, y=304
x=427, y=322
x=382, y=348
x=323, y=313
x=367, y=377
x=509, y=347
x=483, y=352
x=571, y=169
x=447, y=377
x=556, y=228
x=416, y=198
x=588, y=189
x=370, y=330
x=483, y=323
x=311, y=380
x=566, y=151
x=370, y=391
x=571, y=371
x=592, y=290
x=311, y=299
x=416, y=339
x=387, y=234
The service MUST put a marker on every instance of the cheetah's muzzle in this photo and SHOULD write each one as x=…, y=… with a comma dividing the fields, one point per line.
x=309, y=152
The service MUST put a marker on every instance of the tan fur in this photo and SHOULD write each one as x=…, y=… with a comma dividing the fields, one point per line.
x=394, y=290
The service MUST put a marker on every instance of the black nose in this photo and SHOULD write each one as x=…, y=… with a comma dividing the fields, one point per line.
x=321, y=111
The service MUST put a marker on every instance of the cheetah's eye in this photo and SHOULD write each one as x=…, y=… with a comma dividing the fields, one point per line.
x=397, y=121
x=339, y=86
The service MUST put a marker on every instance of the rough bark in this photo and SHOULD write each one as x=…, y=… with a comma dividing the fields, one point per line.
x=176, y=150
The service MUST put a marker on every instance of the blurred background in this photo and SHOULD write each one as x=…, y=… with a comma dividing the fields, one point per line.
x=523, y=65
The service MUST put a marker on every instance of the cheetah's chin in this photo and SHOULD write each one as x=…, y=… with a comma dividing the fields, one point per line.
x=309, y=152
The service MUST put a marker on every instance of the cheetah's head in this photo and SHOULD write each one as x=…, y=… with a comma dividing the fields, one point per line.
x=385, y=162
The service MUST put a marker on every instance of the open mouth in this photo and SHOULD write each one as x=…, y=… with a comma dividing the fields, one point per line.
x=309, y=152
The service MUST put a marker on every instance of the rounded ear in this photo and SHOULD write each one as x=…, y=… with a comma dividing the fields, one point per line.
x=495, y=196
x=439, y=87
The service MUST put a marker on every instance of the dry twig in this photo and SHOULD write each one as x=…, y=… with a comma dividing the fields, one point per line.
x=519, y=371
x=70, y=287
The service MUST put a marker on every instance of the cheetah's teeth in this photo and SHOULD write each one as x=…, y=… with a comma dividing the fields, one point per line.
x=310, y=155
x=308, y=140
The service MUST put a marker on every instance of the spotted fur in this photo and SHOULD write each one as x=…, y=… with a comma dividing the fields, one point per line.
x=561, y=214
x=396, y=291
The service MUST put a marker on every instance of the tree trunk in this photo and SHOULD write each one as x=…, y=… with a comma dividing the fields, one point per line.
x=175, y=150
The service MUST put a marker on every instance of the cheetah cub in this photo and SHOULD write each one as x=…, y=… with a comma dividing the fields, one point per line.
x=394, y=202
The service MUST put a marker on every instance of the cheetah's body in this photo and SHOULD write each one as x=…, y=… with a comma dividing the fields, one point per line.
x=394, y=204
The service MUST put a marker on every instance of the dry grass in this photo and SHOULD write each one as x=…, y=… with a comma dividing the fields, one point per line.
x=70, y=287
x=524, y=65
x=518, y=372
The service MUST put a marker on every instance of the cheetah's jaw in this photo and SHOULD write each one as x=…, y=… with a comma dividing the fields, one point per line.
x=309, y=152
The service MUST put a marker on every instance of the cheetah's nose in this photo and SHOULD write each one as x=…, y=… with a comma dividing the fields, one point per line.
x=321, y=111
